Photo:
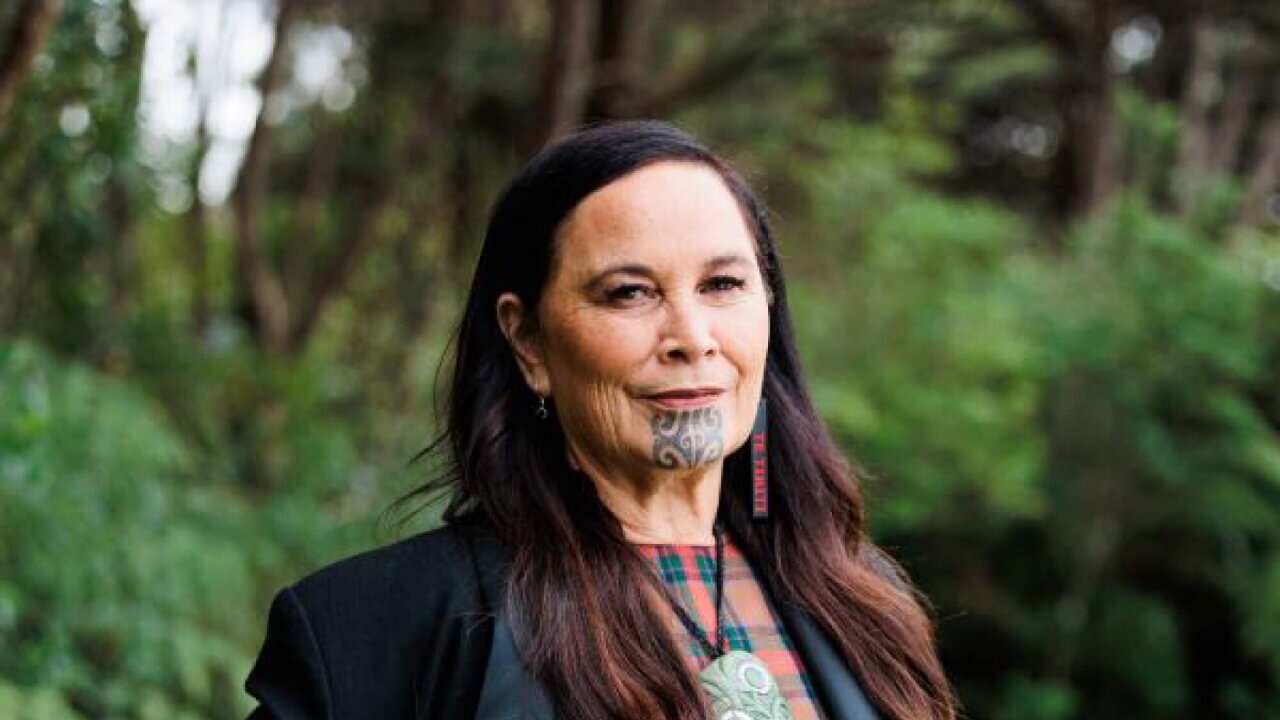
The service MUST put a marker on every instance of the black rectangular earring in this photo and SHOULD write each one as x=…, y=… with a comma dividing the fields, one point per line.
x=760, y=464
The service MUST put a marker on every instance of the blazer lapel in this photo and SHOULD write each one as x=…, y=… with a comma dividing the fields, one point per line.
x=507, y=691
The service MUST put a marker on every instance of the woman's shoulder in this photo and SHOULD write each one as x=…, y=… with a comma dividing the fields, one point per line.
x=432, y=570
x=431, y=554
x=352, y=638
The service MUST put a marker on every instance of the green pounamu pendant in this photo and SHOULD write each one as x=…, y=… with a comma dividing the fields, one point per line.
x=741, y=688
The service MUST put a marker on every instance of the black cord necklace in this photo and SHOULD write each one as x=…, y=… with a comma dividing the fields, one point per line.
x=717, y=650
x=738, y=683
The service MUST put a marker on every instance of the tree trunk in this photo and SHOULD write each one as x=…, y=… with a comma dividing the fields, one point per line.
x=620, y=56
x=1198, y=98
x=1236, y=107
x=1095, y=146
x=1264, y=177
x=197, y=236
x=567, y=71
x=1099, y=171
x=1091, y=147
x=262, y=293
x=31, y=26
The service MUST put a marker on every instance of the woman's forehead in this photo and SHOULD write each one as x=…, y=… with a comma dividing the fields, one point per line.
x=669, y=213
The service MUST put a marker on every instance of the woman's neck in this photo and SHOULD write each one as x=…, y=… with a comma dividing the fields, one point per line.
x=662, y=507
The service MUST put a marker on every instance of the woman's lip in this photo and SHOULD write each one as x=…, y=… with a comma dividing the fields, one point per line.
x=676, y=401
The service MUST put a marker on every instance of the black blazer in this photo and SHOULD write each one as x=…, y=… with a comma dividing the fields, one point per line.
x=407, y=631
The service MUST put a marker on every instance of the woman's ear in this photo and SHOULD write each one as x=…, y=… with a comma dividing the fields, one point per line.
x=519, y=328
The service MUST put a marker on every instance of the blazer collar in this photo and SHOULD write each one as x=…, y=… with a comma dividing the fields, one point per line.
x=508, y=692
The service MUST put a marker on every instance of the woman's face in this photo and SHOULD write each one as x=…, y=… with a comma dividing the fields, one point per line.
x=654, y=324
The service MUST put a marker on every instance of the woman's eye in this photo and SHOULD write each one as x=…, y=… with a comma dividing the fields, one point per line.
x=624, y=293
x=722, y=283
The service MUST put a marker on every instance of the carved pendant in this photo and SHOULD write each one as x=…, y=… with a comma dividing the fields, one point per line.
x=742, y=688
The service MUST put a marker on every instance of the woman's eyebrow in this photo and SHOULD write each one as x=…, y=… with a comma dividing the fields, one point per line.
x=720, y=261
x=632, y=268
x=629, y=268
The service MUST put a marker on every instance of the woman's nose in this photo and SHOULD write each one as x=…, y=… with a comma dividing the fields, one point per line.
x=687, y=334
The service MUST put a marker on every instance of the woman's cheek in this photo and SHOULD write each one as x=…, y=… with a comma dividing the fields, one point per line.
x=593, y=368
x=607, y=346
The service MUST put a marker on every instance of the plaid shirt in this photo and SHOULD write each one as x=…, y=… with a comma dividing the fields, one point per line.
x=689, y=572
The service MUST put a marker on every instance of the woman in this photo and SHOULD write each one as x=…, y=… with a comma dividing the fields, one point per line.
x=612, y=549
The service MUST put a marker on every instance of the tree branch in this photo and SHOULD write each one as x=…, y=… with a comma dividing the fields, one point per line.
x=30, y=28
x=317, y=192
x=714, y=74
x=335, y=273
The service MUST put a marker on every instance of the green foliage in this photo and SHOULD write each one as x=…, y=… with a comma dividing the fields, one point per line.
x=1068, y=422
x=1065, y=446
x=929, y=302
x=125, y=583
x=1026, y=698
x=133, y=578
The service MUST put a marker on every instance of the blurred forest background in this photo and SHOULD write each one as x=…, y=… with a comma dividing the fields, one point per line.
x=1034, y=247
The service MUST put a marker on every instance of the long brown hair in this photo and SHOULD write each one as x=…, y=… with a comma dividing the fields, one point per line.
x=578, y=596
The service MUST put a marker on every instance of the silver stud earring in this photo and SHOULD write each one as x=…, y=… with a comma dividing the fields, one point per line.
x=541, y=410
